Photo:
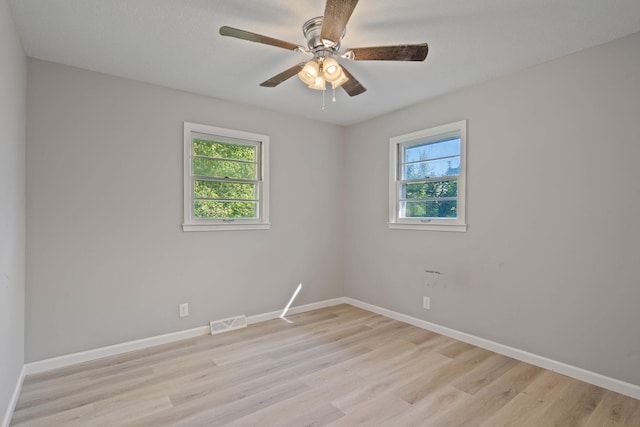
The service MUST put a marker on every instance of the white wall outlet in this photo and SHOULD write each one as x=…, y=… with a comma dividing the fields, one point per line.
x=426, y=303
x=184, y=309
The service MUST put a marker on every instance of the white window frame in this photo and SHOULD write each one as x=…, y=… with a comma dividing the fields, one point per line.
x=420, y=137
x=190, y=223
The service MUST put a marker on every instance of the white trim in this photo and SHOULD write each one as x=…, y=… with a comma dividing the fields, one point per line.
x=111, y=350
x=249, y=138
x=14, y=399
x=429, y=227
x=590, y=377
x=458, y=224
x=295, y=310
x=224, y=227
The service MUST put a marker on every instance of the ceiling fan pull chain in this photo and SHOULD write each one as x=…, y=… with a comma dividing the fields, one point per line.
x=334, y=95
x=323, y=91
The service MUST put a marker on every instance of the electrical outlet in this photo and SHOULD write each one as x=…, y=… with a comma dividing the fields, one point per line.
x=184, y=309
x=426, y=303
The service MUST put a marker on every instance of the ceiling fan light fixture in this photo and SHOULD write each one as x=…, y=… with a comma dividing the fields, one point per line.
x=306, y=78
x=331, y=70
x=318, y=84
x=309, y=72
x=342, y=79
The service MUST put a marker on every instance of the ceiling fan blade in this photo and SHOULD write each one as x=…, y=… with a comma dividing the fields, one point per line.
x=285, y=75
x=352, y=86
x=336, y=16
x=401, y=52
x=258, y=38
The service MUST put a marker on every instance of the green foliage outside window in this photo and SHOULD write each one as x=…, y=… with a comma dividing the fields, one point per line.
x=223, y=169
x=223, y=150
x=431, y=209
x=226, y=198
x=217, y=209
x=428, y=190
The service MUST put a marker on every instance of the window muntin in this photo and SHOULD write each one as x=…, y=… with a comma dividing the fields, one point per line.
x=427, y=179
x=225, y=179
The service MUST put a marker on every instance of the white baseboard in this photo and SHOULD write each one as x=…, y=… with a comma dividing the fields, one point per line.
x=609, y=383
x=6, y=420
x=590, y=377
x=112, y=350
x=295, y=310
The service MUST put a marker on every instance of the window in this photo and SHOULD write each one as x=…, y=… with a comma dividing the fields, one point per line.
x=226, y=179
x=427, y=179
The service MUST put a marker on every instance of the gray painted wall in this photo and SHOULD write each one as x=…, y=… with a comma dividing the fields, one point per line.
x=13, y=78
x=107, y=260
x=550, y=260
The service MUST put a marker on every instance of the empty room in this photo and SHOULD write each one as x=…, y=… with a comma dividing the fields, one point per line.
x=323, y=212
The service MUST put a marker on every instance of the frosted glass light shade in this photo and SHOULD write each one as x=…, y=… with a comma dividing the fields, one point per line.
x=331, y=70
x=342, y=79
x=307, y=79
x=318, y=84
x=309, y=72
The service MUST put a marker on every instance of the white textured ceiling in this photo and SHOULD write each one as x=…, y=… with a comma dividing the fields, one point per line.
x=175, y=43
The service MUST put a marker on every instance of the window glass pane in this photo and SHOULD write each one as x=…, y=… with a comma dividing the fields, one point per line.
x=224, y=190
x=202, y=147
x=428, y=190
x=432, y=169
x=224, y=169
x=216, y=209
x=429, y=209
x=427, y=179
x=434, y=150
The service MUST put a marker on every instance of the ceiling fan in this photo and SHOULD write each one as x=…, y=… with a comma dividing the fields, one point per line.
x=324, y=34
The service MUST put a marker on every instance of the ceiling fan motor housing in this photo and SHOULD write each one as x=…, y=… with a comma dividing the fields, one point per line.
x=320, y=48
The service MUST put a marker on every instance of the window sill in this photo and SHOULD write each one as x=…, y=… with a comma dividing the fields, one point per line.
x=225, y=227
x=460, y=228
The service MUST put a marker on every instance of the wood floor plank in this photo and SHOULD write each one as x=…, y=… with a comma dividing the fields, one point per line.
x=378, y=411
x=223, y=394
x=455, y=349
x=338, y=366
x=223, y=415
x=124, y=413
x=403, y=359
x=575, y=406
x=393, y=377
x=85, y=394
x=314, y=401
x=527, y=407
x=615, y=410
x=490, y=399
x=484, y=373
x=360, y=363
x=432, y=407
x=423, y=385
x=66, y=417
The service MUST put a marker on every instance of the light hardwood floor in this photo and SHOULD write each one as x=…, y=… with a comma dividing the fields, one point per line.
x=339, y=366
